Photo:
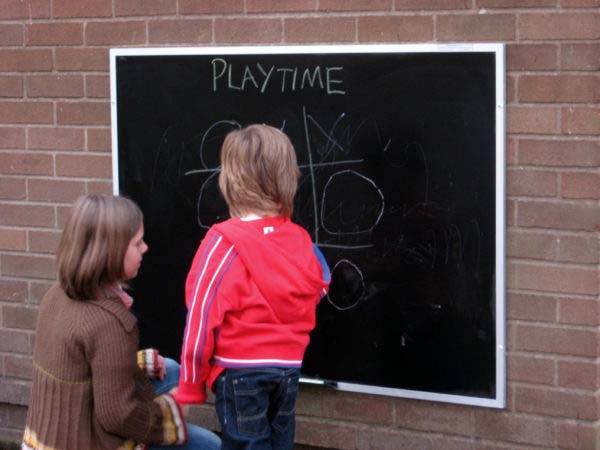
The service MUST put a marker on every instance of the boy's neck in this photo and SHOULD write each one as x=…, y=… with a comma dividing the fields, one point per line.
x=250, y=216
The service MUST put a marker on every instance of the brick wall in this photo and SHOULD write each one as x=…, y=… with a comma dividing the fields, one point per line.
x=55, y=145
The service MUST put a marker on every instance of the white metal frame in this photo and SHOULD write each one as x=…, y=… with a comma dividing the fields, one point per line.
x=499, y=51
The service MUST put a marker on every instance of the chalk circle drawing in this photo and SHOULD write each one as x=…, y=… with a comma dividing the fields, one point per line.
x=211, y=207
x=351, y=203
x=213, y=139
x=347, y=285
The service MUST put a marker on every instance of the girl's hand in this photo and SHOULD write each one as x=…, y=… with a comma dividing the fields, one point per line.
x=161, y=367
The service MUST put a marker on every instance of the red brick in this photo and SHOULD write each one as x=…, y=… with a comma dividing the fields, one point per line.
x=580, y=185
x=56, y=191
x=82, y=59
x=511, y=212
x=511, y=89
x=557, y=279
x=395, y=28
x=419, y=5
x=355, y=5
x=559, y=89
x=433, y=418
x=522, y=244
x=507, y=427
x=145, y=7
x=265, y=6
x=575, y=436
x=578, y=311
x=56, y=138
x=538, y=308
x=101, y=187
x=80, y=113
x=571, y=342
x=179, y=31
x=320, y=29
x=579, y=3
x=577, y=374
x=514, y=3
x=511, y=152
x=559, y=153
x=19, y=9
x=115, y=33
x=581, y=120
x=88, y=166
x=99, y=140
x=524, y=57
x=55, y=86
x=51, y=34
x=543, y=26
x=11, y=35
x=82, y=8
x=25, y=164
x=556, y=403
x=530, y=369
x=534, y=183
x=26, y=215
x=580, y=56
x=44, y=241
x=321, y=434
x=28, y=266
x=13, y=291
x=13, y=188
x=476, y=27
x=17, y=316
x=511, y=278
x=25, y=60
x=364, y=409
x=18, y=366
x=248, y=30
x=97, y=86
x=578, y=249
x=26, y=112
x=391, y=440
x=210, y=6
x=39, y=289
x=62, y=214
x=14, y=341
x=15, y=240
x=533, y=119
x=11, y=86
x=12, y=138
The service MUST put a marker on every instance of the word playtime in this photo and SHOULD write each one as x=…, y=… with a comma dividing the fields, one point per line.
x=286, y=79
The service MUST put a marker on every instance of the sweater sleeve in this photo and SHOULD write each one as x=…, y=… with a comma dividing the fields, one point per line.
x=205, y=314
x=117, y=406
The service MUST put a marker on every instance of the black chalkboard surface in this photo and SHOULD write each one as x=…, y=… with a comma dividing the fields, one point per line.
x=401, y=154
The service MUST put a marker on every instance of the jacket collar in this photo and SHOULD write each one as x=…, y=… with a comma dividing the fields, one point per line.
x=113, y=304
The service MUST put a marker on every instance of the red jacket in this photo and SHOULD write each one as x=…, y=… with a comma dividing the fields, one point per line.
x=251, y=295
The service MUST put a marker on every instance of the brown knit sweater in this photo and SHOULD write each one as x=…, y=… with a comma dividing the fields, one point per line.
x=88, y=392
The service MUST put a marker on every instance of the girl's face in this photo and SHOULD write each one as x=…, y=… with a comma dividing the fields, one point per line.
x=133, y=257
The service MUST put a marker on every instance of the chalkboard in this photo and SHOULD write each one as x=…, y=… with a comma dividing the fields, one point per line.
x=401, y=150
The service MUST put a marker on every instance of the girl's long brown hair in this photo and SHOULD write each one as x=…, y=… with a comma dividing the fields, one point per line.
x=94, y=242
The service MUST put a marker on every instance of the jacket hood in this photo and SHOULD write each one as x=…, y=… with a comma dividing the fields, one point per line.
x=280, y=257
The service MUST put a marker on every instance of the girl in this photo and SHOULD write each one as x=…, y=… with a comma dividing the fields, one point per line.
x=88, y=392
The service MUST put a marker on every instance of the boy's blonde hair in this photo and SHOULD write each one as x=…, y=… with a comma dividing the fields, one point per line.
x=94, y=242
x=259, y=172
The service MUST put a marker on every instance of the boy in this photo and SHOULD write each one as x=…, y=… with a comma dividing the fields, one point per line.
x=251, y=294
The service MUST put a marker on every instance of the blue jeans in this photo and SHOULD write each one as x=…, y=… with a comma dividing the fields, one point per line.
x=256, y=408
x=198, y=438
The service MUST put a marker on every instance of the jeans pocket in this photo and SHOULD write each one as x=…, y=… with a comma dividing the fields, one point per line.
x=251, y=407
x=287, y=408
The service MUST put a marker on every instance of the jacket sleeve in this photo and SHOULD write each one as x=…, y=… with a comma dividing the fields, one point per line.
x=206, y=310
x=118, y=406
